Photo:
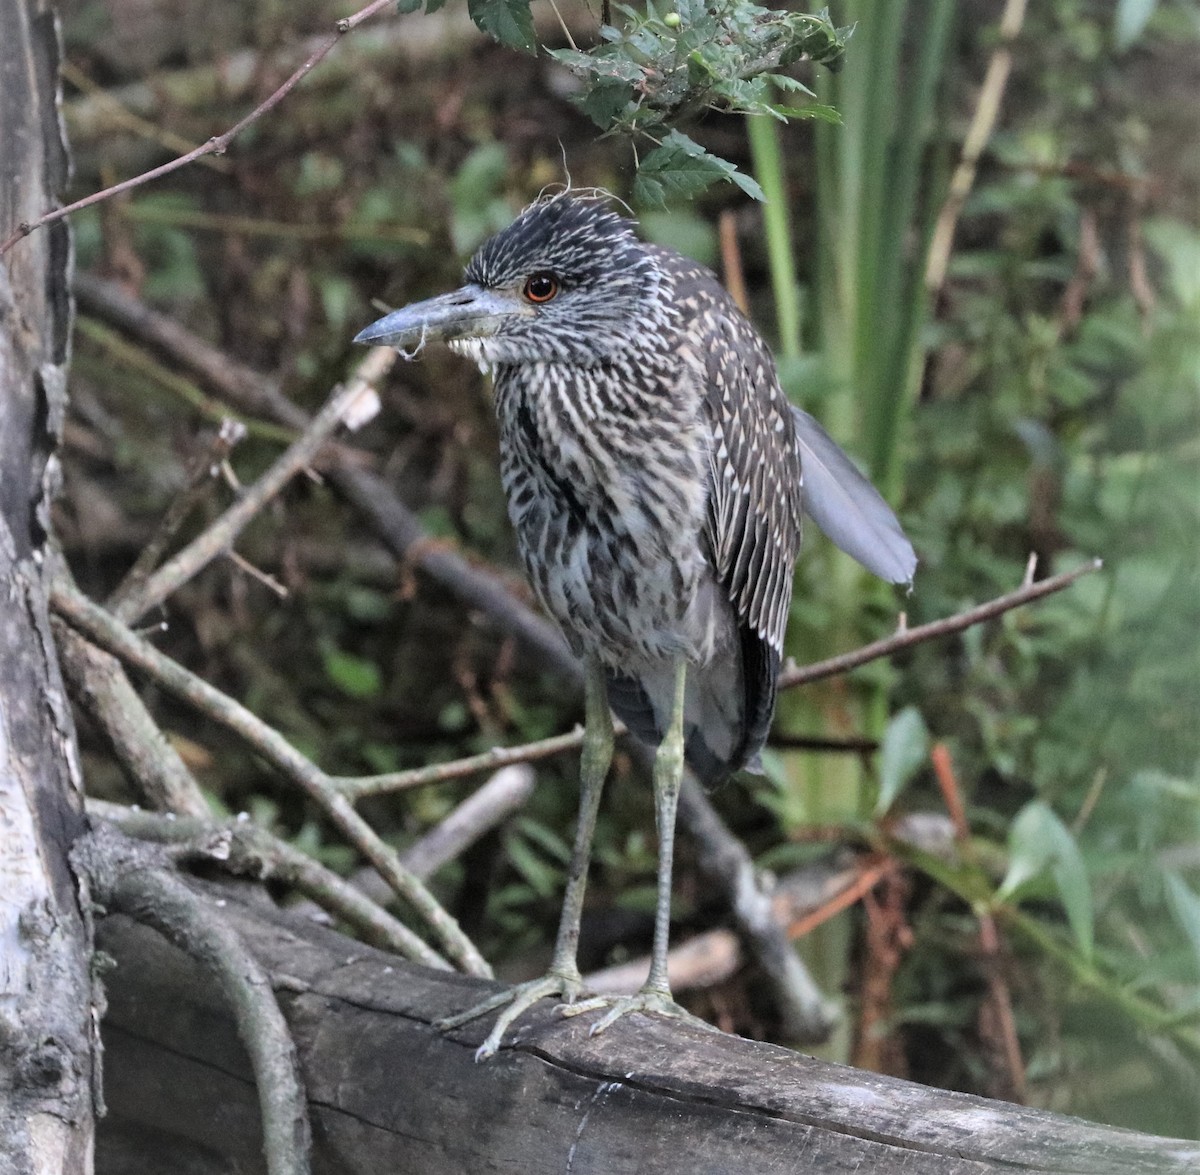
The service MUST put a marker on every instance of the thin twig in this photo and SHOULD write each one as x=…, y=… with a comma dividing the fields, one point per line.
x=833, y=666
x=214, y=146
x=265, y=578
x=121, y=116
x=218, y=538
x=108, y=632
x=126, y=876
x=507, y=790
x=983, y=123
x=199, y=481
x=999, y=1003
x=135, y=359
x=246, y=849
x=867, y=877
x=356, y=787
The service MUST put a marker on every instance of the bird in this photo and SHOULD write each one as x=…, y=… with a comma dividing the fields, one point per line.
x=656, y=477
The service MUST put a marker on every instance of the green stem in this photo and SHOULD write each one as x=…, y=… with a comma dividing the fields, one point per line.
x=770, y=171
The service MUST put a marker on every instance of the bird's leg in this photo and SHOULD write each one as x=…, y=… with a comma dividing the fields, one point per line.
x=563, y=978
x=655, y=994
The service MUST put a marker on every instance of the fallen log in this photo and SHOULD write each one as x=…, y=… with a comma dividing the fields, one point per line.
x=389, y=1093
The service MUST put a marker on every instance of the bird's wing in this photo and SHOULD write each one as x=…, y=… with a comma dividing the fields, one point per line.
x=848, y=508
x=755, y=478
x=753, y=523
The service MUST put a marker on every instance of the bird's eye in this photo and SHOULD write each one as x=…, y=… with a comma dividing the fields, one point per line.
x=541, y=287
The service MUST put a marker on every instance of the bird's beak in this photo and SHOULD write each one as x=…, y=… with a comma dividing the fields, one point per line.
x=469, y=313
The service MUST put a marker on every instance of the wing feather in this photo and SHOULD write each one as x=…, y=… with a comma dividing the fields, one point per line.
x=755, y=481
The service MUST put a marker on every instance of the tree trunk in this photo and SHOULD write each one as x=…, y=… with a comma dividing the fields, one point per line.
x=47, y=1061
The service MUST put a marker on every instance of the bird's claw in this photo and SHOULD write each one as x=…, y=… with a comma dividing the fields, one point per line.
x=515, y=1002
x=646, y=1000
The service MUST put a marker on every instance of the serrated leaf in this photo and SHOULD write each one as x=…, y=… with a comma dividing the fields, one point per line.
x=905, y=749
x=605, y=100
x=747, y=183
x=403, y=7
x=682, y=168
x=1038, y=843
x=508, y=21
x=789, y=84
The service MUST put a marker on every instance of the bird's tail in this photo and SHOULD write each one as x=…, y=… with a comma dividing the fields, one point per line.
x=727, y=708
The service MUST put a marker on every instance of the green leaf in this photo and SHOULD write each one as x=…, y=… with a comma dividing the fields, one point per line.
x=403, y=7
x=1185, y=907
x=789, y=84
x=1038, y=843
x=542, y=877
x=354, y=676
x=904, y=751
x=508, y=21
x=681, y=168
x=605, y=100
x=1130, y=18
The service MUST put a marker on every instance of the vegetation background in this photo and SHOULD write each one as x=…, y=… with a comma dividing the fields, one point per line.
x=1042, y=394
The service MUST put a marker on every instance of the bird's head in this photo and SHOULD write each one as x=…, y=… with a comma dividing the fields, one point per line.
x=567, y=281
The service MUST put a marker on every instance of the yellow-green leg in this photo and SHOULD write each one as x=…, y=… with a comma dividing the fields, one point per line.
x=563, y=978
x=655, y=994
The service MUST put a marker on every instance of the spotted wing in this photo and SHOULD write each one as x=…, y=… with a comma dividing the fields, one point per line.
x=753, y=526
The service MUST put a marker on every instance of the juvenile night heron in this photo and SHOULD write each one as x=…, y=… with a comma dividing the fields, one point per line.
x=652, y=465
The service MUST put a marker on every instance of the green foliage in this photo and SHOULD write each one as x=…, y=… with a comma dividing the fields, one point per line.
x=478, y=206
x=661, y=68
x=681, y=168
x=1039, y=842
x=509, y=21
x=904, y=751
x=704, y=54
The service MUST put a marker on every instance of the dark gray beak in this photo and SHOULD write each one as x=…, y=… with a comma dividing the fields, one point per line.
x=469, y=313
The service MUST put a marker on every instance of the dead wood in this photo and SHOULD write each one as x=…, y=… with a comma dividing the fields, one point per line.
x=388, y=1093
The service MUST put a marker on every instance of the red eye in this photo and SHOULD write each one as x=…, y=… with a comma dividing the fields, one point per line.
x=541, y=287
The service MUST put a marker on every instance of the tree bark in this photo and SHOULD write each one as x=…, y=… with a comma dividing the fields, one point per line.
x=387, y=1092
x=47, y=1062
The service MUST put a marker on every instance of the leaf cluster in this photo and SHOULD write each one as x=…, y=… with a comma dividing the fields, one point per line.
x=664, y=66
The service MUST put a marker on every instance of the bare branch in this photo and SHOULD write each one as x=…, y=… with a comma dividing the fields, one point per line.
x=216, y=145
x=503, y=794
x=357, y=787
x=219, y=537
x=244, y=848
x=369, y=785
x=983, y=123
x=127, y=877
x=199, y=481
x=1026, y=594
x=108, y=632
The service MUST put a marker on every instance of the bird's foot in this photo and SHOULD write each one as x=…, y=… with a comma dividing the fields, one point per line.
x=649, y=999
x=515, y=1002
